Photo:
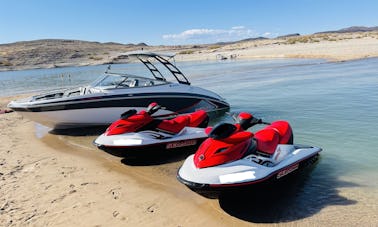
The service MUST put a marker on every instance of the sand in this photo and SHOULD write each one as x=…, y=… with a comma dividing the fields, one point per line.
x=332, y=47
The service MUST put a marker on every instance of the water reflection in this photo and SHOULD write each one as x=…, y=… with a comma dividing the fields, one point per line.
x=300, y=196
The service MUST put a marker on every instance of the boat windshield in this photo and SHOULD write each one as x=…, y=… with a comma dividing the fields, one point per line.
x=112, y=81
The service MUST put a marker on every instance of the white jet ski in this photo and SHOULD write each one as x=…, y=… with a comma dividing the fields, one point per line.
x=232, y=157
x=141, y=133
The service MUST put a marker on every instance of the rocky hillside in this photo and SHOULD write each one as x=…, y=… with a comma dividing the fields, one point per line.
x=353, y=29
x=49, y=53
x=58, y=52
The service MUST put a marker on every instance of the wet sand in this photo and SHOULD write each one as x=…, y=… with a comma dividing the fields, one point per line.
x=56, y=180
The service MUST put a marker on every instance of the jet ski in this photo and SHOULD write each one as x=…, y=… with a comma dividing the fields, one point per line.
x=232, y=158
x=138, y=133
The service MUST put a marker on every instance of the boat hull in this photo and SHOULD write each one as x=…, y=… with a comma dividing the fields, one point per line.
x=103, y=110
x=106, y=98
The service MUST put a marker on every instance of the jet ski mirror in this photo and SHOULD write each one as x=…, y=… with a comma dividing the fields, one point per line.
x=222, y=131
x=128, y=113
x=153, y=108
x=246, y=120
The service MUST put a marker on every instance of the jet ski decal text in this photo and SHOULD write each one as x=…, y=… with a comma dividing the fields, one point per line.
x=287, y=171
x=181, y=144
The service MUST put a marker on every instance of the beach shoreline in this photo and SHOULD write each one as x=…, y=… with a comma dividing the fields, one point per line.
x=328, y=46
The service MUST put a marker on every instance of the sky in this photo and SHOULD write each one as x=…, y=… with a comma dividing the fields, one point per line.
x=175, y=22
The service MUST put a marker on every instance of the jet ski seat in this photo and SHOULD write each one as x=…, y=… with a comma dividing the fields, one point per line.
x=175, y=125
x=278, y=132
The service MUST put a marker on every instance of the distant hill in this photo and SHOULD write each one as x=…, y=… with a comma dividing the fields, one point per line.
x=352, y=29
x=242, y=40
x=47, y=53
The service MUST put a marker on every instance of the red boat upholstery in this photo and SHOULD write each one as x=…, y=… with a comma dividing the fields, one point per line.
x=197, y=118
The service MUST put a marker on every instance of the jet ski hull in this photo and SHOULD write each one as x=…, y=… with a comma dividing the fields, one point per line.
x=249, y=175
x=153, y=149
x=150, y=142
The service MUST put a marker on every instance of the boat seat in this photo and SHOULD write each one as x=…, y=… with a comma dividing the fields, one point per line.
x=197, y=118
x=149, y=83
x=134, y=83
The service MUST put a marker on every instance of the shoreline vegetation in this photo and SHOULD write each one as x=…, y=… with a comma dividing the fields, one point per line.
x=332, y=46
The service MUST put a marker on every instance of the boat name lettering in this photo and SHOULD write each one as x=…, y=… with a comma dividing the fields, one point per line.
x=287, y=171
x=181, y=144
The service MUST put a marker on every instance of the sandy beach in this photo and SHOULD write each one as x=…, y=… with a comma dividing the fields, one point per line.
x=333, y=47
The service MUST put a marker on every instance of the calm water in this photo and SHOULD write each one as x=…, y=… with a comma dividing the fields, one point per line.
x=331, y=105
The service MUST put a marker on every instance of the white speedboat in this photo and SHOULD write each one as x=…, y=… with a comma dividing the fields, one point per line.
x=102, y=102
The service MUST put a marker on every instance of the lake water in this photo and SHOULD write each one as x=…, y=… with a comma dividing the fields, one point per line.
x=331, y=105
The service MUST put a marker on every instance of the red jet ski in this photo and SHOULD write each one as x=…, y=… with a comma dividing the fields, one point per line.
x=232, y=157
x=140, y=133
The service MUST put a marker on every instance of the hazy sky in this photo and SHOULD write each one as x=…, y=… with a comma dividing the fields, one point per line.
x=177, y=21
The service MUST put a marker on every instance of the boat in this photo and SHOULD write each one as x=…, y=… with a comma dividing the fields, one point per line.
x=101, y=102
x=142, y=133
x=233, y=158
